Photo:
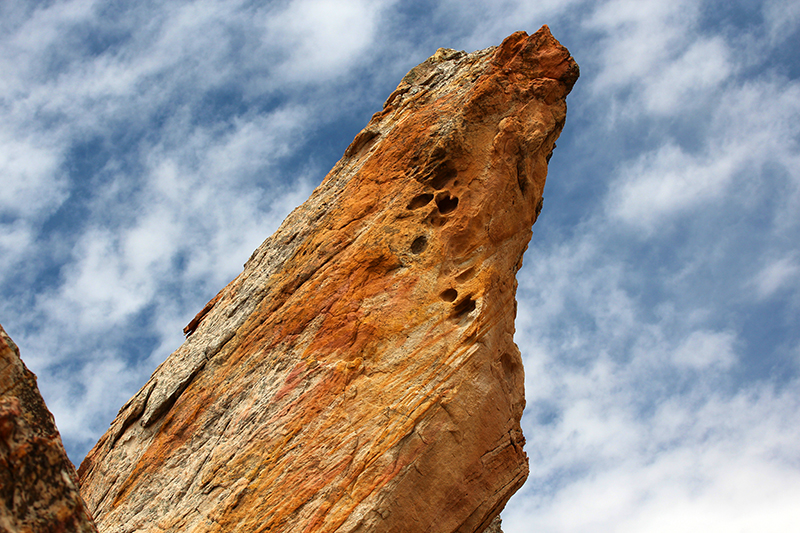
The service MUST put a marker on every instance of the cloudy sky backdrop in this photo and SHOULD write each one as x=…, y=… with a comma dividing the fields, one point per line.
x=147, y=148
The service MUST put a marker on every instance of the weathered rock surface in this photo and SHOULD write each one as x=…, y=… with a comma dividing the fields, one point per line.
x=38, y=484
x=360, y=374
x=495, y=526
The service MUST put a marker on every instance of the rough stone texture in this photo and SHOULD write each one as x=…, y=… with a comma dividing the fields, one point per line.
x=360, y=374
x=495, y=526
x=38, y=484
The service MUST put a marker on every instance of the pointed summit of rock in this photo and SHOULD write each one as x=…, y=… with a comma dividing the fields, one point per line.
x=360, y=374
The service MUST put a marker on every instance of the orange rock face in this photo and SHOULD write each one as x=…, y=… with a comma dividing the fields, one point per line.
x=360, y=374
x=38, y=485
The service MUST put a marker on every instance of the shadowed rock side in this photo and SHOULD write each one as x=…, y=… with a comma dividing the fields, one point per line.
x=38, y=484
x=360, y=374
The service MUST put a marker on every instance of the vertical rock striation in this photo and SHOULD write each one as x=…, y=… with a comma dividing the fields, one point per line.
x=360, y=374
x=38, y=484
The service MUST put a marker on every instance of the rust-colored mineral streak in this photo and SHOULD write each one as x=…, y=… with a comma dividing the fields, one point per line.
x=38, y=485
x=360, y=374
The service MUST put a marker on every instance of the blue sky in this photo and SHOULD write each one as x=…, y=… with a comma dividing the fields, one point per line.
x=146, y=149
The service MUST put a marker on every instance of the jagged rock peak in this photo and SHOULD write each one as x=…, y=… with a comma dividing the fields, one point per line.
x=360, y=374
x=38, y=484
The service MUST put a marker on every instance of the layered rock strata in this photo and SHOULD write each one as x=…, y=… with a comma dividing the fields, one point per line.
x=360, y=374
x=38, y=484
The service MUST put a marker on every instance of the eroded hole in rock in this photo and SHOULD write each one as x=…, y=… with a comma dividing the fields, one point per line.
x=419, y=244
x=446, y=203
x=463, y=307
x=509, y=363
x=439, y=153
x=436, y=220
x=449, y=295
x=420, y=201
x=467, y=274
x=441, y=175
x=522, y=176
x=360, y=141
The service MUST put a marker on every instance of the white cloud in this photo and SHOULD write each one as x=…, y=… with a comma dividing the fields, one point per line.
x=687, y=81
x=31, y=181
x=82, y=401
x=101, y=288
x=776, y=275
x=320, y=39
x=640, y=39
x=16, y=241
x=716, y=133
x=698, y=462
x=627, y=424
x=255, y=143
x=702, y=349
x=32, y=188
x=477, y=25
x=669, y=181
x=196, y=201
x=754, y=127
x=781, y=17
x=30, y=32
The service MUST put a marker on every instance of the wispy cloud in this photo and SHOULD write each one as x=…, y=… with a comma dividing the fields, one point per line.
x=783, y=273
x=320, y=39
x=721, y=463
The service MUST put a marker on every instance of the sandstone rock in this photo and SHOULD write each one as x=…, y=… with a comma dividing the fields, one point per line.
x=38, y=484
x=495, y=526
x=360, y=374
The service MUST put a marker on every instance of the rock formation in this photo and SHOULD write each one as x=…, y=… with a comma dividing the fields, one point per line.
x=360, y=374
x=38, y=484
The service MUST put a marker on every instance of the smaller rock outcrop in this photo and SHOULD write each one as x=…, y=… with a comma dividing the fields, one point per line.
x=38, y=484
